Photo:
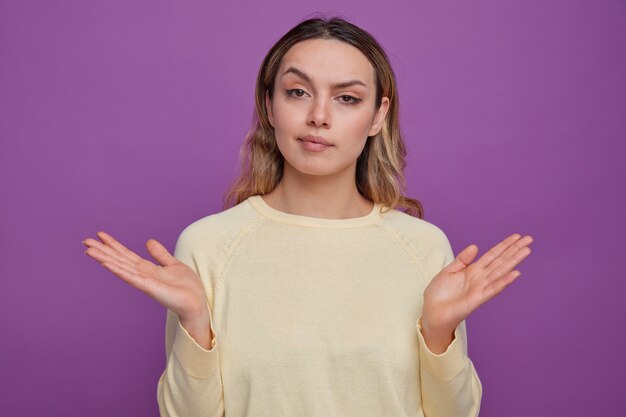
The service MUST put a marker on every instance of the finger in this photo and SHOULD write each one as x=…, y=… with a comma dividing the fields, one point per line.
x=142, y=283
x=507, y=266
x=108, y=239
x=133, y=276
x=498, y=286
x=497, y=250
x=463, y=259
x=160, y=253
x=105, y=258
x=509, y=253
x=109, y=252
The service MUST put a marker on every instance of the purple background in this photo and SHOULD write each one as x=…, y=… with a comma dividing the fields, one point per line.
x=127, y=116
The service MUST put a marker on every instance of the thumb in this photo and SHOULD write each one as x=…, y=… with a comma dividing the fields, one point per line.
x=160, y=253
x=463, y=259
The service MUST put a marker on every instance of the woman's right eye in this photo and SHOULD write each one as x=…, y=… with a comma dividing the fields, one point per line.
x=290, y=93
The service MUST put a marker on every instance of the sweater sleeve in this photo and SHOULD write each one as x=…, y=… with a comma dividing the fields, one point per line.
x=450, y=386
x=191, y=384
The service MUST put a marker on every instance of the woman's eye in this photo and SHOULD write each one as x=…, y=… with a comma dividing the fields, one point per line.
x=350, y=99
x=290, y=93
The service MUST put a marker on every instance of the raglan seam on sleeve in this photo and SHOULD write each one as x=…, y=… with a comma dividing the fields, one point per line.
x=406, y=246
x=185, y=350
x=230, y=248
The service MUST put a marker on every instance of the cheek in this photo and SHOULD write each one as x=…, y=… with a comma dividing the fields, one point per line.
x=357, y=125
x=285, y=116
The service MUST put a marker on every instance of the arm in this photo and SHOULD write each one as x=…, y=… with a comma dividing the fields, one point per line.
x=450, y=386
x=191, y=384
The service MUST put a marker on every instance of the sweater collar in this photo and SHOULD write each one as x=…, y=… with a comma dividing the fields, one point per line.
x=264, y=209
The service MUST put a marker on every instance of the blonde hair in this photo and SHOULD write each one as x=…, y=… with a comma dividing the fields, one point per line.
x=379, y=169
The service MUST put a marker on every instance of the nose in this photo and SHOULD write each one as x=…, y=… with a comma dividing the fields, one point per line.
x=320, y=113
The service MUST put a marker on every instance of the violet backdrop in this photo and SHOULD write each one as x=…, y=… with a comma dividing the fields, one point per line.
x=127, y=116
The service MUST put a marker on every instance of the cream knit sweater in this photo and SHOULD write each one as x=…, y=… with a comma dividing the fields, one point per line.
x=314, y=317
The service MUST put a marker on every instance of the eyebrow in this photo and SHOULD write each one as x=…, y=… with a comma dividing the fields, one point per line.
x=305, y=77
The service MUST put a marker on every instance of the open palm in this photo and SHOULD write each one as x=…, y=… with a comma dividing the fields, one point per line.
x=461, y=287
x=172, y=283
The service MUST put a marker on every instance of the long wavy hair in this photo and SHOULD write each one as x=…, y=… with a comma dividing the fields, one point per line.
x=380, y=166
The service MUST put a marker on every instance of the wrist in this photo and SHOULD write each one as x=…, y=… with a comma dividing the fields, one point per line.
x=196, y=312
x=200, y=330
x=198, y=316
x=437, y=338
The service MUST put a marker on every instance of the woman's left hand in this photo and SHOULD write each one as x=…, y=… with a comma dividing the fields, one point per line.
x=461, y=287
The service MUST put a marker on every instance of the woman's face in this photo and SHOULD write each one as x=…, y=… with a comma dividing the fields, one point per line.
x=310, y=100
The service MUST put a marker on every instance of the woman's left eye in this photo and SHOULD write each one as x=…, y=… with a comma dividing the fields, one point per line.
x=290, y=93
x=351, y=100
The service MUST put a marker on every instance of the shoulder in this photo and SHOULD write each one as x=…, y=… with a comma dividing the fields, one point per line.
x=413, y=228
x=218, y=228
x=423, y=239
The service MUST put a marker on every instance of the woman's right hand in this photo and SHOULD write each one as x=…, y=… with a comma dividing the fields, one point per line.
x=172, y=283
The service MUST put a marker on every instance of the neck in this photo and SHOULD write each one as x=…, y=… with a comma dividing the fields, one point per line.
x=325, y=196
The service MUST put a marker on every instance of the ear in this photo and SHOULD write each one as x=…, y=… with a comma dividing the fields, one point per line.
x=268, y=106
x=379, y=117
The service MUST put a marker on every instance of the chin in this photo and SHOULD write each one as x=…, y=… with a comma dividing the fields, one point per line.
x=310, y=169
x=317, y=169
x=314, y=171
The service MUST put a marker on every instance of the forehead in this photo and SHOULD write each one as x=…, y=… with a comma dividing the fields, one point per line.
x=328, y=60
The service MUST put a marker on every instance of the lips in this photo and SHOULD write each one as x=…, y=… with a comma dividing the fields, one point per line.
x=315, y=139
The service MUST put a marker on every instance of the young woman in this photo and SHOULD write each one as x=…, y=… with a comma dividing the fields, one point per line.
x=311, y=294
